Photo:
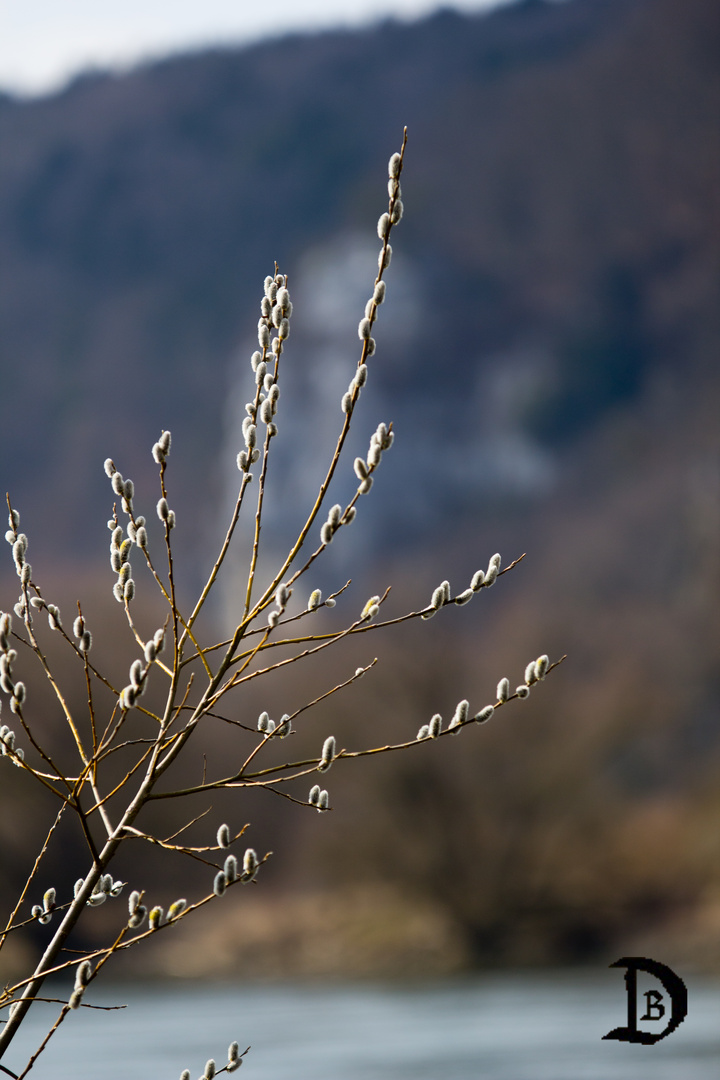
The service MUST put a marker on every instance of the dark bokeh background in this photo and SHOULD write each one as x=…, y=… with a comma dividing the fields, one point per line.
x=551, y=367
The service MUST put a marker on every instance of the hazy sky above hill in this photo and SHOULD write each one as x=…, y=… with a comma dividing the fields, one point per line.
x=44, y=42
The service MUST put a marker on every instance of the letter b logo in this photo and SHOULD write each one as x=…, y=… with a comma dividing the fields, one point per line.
x=655, y=1008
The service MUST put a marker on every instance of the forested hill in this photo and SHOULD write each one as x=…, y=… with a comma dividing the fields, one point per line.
x=561, y=195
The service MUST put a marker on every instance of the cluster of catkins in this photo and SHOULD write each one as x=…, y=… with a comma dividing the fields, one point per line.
x=234, y=1062
x=230, y=872
x=43, y=913
x=156, y=916
x=275, y=312
x=381, y=439
x=105, y=889
x=481, y=579
x=82, y=978
x=535, y=671
x=282, y=595
x=19, y=543
x=318, y=797
x=139, y=671
x=15, y=689
x=268, y=727
x=121, y=545
x=384, y=227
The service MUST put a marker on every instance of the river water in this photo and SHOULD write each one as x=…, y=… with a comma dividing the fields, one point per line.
x=496, y=1027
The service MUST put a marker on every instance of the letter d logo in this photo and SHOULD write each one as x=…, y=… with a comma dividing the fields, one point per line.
x=674, y=986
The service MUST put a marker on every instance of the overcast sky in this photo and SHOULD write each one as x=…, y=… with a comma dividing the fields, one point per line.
x=44, y=42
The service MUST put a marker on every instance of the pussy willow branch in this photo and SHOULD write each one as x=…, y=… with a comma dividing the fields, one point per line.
x=261, y=485
x=309, y=765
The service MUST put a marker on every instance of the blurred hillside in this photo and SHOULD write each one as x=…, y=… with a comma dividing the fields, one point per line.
x=548, y=355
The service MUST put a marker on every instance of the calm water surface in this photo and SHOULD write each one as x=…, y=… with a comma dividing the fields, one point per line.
x=500, y=1027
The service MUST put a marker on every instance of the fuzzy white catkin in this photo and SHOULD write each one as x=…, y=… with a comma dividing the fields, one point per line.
x=438, y=597
x=424, y=732
x=384, y=257
x=366, y=485
x=379, y=292
x=219, y=884
x=209, y=1070
x=503, y=690
x=155, y=917
x=490, y=576
x=477, y=580
x=223, y=834
x=383, y=226
x=530, y=676
x=484, y=715
x=394, y=166
x=328, y=754
x=522, y=691
x=541, y=666
x=185, y=1074
x=435, y=726
x=323, y=800
x=464, y=597
x=315, y=600
x=250, y=864
x=360, y=468
x=230, y=869
x=82, y=974
x=176, y=909
x=374, y=455
x=314, y=795
x=461, y=713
